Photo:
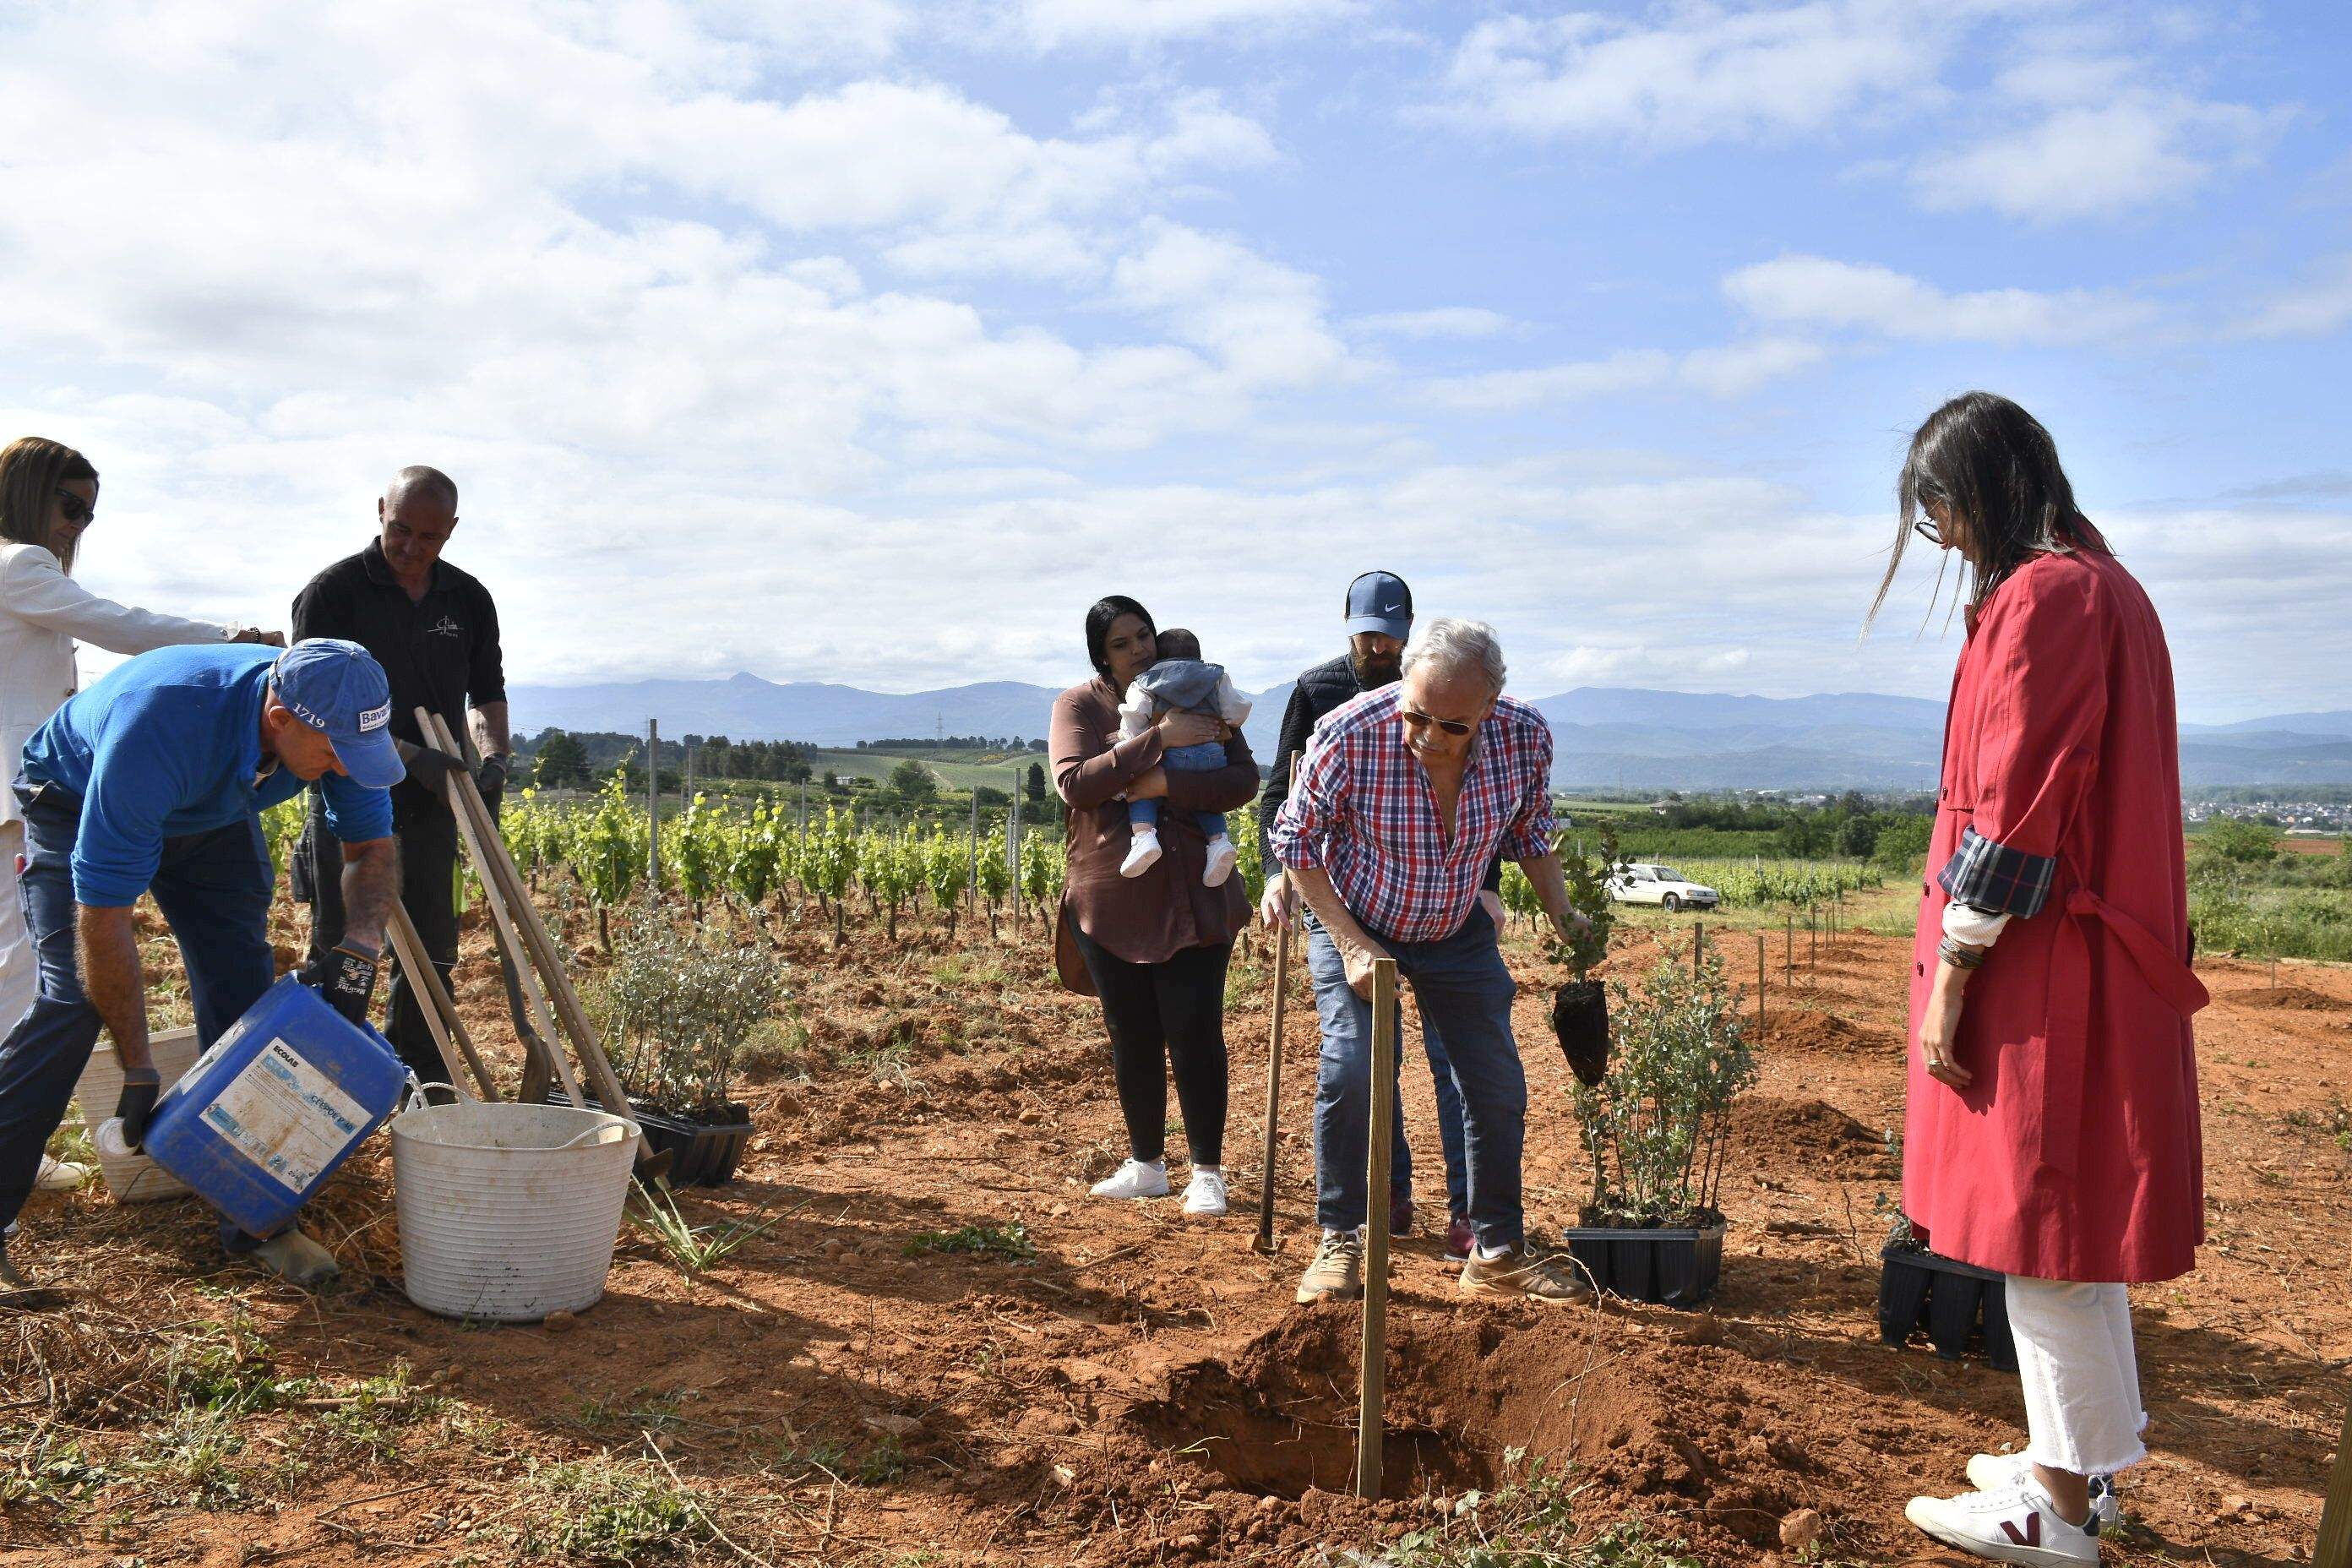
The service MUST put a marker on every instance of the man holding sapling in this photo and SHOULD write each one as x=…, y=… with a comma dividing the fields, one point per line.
x=1405, y=797
x=1379, y=619
x=435, y=631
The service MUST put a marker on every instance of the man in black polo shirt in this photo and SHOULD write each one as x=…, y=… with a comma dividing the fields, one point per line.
x=1380, y=617
x=436, y=632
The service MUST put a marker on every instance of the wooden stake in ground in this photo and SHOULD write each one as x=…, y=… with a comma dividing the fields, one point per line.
x=1759, y=982
x=1373, y=1390
x=1789, y=959
x=1265, y=1242
x=1698, y=943
x=653, y=803
x=2334, y=1548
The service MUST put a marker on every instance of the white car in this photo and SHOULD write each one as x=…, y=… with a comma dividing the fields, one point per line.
x=1646, y=883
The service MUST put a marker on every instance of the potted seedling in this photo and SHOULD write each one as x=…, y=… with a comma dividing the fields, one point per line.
x=1658, y=1124
x=1958, y=1304
x=678, y=1009
x=1580, y=1012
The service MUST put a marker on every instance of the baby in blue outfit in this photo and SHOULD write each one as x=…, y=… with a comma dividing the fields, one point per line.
x=1179, y=680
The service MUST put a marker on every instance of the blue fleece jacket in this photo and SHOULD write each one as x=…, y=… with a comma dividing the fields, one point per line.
x=167, y=744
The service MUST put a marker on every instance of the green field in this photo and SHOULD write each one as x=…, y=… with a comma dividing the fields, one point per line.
x=955, y=770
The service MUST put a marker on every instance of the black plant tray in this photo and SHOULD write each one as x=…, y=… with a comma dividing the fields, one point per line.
x=703, y=1154
x=1671, y=1267
x=1960, y=1306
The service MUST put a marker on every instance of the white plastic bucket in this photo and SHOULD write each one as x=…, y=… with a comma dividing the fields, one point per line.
x=509, y=1212
x=133, y=1178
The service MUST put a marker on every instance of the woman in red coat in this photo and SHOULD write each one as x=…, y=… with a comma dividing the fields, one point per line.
x=2051, y=1126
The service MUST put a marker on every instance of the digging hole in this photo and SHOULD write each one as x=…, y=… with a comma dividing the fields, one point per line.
x=1281, y=1420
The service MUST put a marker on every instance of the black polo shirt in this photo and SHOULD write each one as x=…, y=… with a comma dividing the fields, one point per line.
x=439, y=652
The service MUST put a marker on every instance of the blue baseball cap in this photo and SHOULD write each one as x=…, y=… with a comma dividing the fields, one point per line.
x=338, y=689
x=1380, y=602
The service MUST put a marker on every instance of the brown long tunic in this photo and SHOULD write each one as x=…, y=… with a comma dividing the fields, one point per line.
x=1151, y=918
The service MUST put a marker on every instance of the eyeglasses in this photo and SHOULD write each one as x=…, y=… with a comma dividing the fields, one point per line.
x=1925, y=529
x=1418, y=720
x=77, y=509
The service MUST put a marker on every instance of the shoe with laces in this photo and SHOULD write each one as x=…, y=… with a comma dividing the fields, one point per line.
x=1135, y=1179
x=1337, y=1272
x=2014, y=1524
x=1205, y=1193
x=60, y=1175
x=1536, y=1275
x=1459, y=1239
x=1998, y=1472
x=1143, y=853
x=1222, y=859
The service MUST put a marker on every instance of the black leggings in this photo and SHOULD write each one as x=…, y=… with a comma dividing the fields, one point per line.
x=1159, y=1015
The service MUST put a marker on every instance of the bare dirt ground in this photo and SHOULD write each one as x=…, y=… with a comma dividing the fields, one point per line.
x=1143, y=1390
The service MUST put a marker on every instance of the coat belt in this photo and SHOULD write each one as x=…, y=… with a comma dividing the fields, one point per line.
x=2167, y=974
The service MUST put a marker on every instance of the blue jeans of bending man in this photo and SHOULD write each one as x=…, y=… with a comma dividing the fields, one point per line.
x=214, y=891
x=1466, y=994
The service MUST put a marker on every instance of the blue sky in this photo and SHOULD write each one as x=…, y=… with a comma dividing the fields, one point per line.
x=870, y=340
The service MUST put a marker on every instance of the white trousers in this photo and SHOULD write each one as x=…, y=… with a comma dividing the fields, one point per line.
x=2074, y=1356
x=20, y=976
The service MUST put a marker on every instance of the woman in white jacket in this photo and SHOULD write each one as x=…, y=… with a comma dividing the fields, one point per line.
x=49, y=493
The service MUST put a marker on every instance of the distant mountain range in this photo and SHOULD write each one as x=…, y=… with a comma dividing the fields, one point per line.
x=1608, y=736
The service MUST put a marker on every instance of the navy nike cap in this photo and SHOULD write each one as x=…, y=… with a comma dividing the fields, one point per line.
x=1380, y=602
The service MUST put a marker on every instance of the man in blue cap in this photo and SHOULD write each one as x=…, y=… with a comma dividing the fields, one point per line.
x=1379, y=619
x=153, y=781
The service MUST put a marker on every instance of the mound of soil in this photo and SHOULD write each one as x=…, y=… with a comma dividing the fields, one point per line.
x=1806, y=1030
x=2290, y=999
x=1793, y=1134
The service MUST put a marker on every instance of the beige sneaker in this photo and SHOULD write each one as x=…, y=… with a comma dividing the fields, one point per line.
x=1540, y=1276
x=296, y=1258
x=1337, y=1272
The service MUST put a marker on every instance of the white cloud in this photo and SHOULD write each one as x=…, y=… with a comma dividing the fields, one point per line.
x=2315, y=309
x=1705, y=72
x=2097, y=159
x=1812, y=291
x=1265, y=321
x=1444, y=322
x=1730, y=371
x=1060, y=24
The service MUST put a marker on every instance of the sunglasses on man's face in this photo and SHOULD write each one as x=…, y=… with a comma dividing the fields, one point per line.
x=77, y=509
x=1416, y=720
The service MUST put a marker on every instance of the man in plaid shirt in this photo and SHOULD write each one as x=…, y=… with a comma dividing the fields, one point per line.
x=1405, y=796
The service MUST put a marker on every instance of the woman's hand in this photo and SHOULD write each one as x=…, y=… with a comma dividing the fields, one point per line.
x=256, y=634
x=1178, y=727
x=1940, y=1028
x=1153, y=785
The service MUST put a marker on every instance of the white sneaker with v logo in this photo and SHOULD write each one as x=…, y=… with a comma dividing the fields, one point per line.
x=2013, y=1524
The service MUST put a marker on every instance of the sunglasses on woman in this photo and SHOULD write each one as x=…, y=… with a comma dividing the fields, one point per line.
x=1416, y=720
x=77, y=509
x=1925, y=529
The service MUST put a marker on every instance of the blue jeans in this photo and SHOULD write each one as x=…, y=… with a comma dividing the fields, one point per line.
x=213, y=889
x=1465, y=996
x=1206, y=757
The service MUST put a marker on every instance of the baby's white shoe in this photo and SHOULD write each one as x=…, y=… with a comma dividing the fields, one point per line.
x=1142, y=855
x=1222, y=857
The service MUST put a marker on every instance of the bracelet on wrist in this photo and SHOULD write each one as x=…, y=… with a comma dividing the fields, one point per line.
x=1958, y=956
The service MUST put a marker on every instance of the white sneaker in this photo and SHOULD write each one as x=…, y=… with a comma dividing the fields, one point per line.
x=1998, y=1472
x=1135, y=1179
x=2015, y=1524
x=60, y=1175
x=1222, y=859
x=1141, y=854
x=1205, y=1193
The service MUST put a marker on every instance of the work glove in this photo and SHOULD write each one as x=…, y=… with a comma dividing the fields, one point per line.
x=428, y=765
x=345, y=978
x=490, y=778
x=141, y=1088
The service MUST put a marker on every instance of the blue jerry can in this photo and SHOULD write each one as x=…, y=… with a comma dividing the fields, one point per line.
x=283, y=1096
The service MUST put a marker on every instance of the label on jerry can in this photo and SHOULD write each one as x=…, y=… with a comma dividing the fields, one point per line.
x=286, y=1117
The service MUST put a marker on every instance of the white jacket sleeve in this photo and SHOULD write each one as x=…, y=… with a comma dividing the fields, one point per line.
x=1135, y=713
x=1232, y=706
x=33, y=585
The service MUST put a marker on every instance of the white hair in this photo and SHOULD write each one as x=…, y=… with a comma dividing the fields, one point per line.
x=1453, y=645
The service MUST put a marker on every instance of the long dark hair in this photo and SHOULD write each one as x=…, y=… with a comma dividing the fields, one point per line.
x=1990, y=467
x=1102, y=617
x=31, y=469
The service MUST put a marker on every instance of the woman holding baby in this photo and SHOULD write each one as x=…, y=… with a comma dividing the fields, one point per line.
x=1151, y=935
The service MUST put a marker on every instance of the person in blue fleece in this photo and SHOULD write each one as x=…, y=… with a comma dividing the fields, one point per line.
x=153, y=781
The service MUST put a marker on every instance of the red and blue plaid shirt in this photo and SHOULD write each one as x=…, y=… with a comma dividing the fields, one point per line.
x=1361, y=809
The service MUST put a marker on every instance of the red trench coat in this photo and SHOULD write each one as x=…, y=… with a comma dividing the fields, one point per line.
x=2075, y=1153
